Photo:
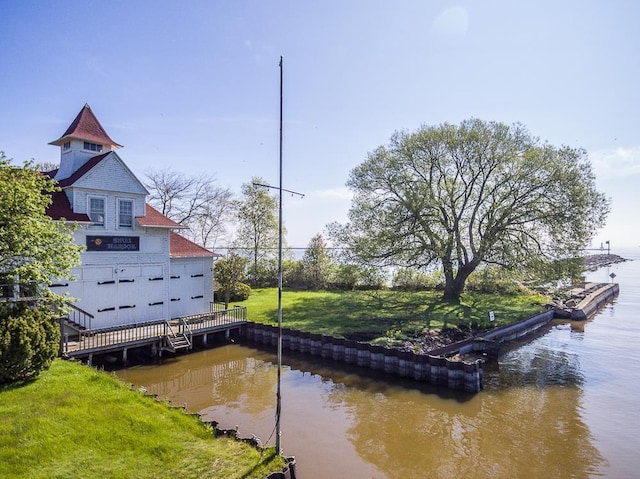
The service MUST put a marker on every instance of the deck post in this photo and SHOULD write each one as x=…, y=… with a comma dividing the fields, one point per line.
x=226, y=334
x=90, y=360
x=204, y=338
x=124, y=356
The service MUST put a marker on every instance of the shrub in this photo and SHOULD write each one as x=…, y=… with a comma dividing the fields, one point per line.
x=29, y=341
x=492, y=281
x=410, y=280
x=239, y=292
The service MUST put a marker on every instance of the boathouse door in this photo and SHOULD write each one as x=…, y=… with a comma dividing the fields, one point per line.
x=120, y=294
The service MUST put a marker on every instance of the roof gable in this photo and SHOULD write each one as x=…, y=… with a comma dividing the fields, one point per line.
x=86, y=127
x=105, y=172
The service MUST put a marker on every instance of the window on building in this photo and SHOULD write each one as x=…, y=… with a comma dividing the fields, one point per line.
x=125, y=213
x=96, y=211
x=66, y=145
x=92, y=146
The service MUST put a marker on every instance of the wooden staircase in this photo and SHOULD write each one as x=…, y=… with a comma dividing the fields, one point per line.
x=75, y=320
x=177, y=336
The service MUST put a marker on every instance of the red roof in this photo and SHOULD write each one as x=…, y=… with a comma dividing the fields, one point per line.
x=182, y=247
x=154, y=219
x=83, y=170
x=86, y=127
x=61, y=208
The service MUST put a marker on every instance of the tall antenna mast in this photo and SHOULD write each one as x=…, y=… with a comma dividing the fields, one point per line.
x=280, y=190
x=278, y=395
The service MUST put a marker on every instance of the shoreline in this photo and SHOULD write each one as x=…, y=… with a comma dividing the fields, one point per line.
x=560, y=300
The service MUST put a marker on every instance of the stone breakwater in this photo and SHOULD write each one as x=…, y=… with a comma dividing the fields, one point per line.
x=595, y=261
x=432, y=369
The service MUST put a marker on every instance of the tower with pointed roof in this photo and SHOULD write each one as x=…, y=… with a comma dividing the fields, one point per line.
x=84, y=139
x=135, y=266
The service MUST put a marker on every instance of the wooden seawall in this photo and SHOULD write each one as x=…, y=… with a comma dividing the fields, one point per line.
x=436, y=370
x=437, y=367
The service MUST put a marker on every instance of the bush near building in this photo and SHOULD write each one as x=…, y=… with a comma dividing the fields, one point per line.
x=29, y=341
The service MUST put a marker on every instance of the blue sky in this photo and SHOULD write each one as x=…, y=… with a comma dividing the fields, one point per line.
x=194, y=85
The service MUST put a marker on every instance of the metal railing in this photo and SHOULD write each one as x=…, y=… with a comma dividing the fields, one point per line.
x=148, y=331
x=186, y=331
x=79, y=316
x=112, y=337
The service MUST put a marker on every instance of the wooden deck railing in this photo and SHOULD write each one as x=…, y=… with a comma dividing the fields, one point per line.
x=144, y=332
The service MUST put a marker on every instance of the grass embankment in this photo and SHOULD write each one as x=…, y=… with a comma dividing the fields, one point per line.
x=73, y=421
x=367, y=315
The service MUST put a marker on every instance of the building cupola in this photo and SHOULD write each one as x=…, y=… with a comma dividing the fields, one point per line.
x=84, y=139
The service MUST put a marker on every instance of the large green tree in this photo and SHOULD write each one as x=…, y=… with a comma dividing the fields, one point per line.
x=317, y=265
x=477, y=193
x=257, y=233
x=33, y=248
x=229, y=272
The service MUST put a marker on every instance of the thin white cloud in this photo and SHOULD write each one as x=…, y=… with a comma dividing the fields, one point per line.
x=616, y=163
x=451, y=23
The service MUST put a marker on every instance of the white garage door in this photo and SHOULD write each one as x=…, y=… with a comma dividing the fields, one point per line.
x=120, y=294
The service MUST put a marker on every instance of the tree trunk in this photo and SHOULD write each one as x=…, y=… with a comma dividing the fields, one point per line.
x=255, y=267
x=227, y=298
x=455, y=282
x=452, y=289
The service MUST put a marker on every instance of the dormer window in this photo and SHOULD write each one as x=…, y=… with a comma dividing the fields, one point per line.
x=66, y=146
x=96, y=211
x=92, y=147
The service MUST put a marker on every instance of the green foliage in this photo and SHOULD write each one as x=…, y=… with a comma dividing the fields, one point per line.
x=317, y=264
x=553, y=272
x=292, y=274
x=407, y=279
x=372, y=278
x=265, y=273
x=347, y=276
x=228, y=272
x=257, y=235
x=29, y=341
x=494, y=280
x=237, y=292
x=33, y=249
x=460, y=196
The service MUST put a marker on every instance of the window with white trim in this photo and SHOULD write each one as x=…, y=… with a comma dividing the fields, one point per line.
x=92, y=146
x=125, y=214
x=96, y=211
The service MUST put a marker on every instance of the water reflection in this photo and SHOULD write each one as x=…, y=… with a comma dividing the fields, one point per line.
x=548, y=360
x=562, y=405
x=341, y=423
x=225, y=375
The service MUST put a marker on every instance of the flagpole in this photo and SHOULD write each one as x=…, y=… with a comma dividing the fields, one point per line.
x=278, y=395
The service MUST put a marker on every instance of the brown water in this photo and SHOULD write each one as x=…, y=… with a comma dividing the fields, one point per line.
x=565, y=404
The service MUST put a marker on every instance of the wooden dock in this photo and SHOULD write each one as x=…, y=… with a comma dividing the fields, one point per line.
x=161, y=335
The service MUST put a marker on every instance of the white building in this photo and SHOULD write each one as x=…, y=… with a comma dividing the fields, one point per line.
x=135, y=267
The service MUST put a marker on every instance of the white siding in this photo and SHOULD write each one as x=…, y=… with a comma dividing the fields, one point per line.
x=191, y=286
x=111, y=175
x=120, y=287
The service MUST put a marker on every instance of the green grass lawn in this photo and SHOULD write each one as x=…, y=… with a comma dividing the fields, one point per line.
x=73, y=421
x=367, y=315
